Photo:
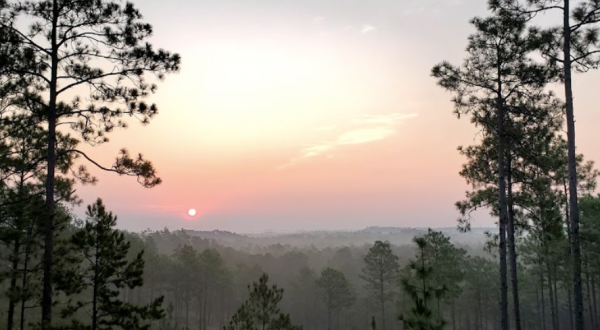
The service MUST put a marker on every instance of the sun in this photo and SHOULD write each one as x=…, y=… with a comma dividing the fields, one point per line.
x=191, y=212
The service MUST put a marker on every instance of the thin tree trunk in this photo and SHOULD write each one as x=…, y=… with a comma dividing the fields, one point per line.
x=570, y=306
x=95, y=291
x=553, y=311
x=502, y=204
x=382, y=296
x=24, y=285
x=328, y=317
x=512, y=250
x=12, y=299
x=589, y=293
x=187, y=312
x=454, y=315
x=573, y=198
x=539, y=310
x=594, y=301
x=555, y=281
x=205, y=308
x=51, y=164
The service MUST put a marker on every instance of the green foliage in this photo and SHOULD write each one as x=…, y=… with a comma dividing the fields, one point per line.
x=447, y=260
x=381, y=274
x=104, y=270
x=381, y=271
x=337, y=293
x=418, y=286
x=261, y=310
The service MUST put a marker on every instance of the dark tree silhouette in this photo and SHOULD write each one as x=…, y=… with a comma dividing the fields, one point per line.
x=261, y=310
x=103, y=271
x=67, y=48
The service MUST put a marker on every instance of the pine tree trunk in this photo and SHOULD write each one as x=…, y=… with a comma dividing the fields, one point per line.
x=553, y=311
x=24, y=285
x=570, y=302
x=328, y=316
x=538, y=306
x=12, y=299
x=201, y=313
x=573, y=197
x=543, y=300
x=502, y=204
x=512, y=250
x=382, y=297
x=95, y=290
x=594, y=301
x=187, y=312
x=453, y=315
x=556, y=300
x=589, y=294
x=50, y=186
x=204, y=308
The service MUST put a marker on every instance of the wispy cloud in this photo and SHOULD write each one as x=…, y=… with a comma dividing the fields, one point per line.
x=365, y=135
x=364, y=129
x=366, y=28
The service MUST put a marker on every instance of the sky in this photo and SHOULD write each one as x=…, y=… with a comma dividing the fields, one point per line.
x=305, y=114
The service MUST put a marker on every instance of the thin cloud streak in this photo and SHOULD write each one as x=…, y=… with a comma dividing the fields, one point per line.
x=366, y=28
x=370, y=128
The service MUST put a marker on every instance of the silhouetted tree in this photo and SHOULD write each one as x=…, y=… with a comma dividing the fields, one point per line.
x=103, y=272
x=64, y=46
x=381, y=274
x=260, y=311
x=419, y=288
x=496, y=80
x=336, y=291
x=571, y=46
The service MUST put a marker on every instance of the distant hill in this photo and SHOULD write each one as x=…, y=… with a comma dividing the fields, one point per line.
x=332, y=239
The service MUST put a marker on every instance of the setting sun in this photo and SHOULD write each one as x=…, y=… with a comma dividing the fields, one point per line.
x=191, y=212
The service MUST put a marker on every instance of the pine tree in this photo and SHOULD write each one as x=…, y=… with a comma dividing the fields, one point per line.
x=337, y=293
x=305, y=294
x=22, y=203
x=418, y=286
x=571, y=46
x=63, y=48
x=381, y=274
x=260, y=311
x=103, y=272
x=498, y=79
x=448, y=262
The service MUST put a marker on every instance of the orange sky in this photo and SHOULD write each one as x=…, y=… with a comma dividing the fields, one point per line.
x=305, y=114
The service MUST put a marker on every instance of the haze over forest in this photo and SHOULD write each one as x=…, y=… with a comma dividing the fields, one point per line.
x=299, y=164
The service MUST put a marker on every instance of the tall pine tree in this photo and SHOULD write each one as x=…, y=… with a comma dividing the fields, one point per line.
x=381, y=274
x=103, y=272
x=61, y=47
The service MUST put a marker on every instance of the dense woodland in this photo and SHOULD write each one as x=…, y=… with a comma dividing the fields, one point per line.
x=72, y=71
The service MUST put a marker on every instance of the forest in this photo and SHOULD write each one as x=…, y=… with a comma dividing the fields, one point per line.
x=73, y=71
